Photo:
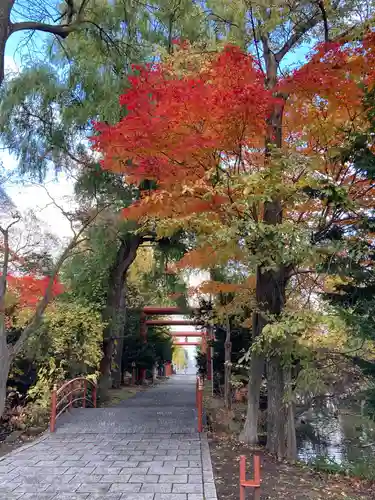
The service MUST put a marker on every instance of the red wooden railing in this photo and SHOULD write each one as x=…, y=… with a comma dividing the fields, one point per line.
x=199, y=403
x=252, y=483
x=68, y=394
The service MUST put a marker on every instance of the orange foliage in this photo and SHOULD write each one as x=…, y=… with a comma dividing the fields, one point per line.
x=197, y=134
x=30, y=289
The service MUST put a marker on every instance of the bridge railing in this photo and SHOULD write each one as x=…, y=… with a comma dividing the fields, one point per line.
x=199, y=402
x=78, y=390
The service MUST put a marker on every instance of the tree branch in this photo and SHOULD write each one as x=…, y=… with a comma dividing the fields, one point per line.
x=43, y=303
x=61, y=30
x=299, y=32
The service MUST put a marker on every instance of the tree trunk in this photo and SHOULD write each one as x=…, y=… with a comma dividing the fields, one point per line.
x=249, y=433
x=114, y=309
x=227, y=369
x=291, y=443
x=5, y=9
x=4, y=371
x=276, y=407
x=270, y=292
x=119, y=341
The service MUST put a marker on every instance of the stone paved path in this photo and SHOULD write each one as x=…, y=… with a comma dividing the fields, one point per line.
x=147, y=448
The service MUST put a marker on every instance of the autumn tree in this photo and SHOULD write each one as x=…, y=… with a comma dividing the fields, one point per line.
x=26, y=292
x=258, y=161
x=45, y=122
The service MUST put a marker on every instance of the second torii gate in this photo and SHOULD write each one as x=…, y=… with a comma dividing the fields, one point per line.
x=157, y=311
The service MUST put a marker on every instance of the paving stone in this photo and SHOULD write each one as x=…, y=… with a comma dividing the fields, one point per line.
x=146, y=448
x=93, y=488
x=157, y=488
x=137, y=496
x=144, y=478
x=125, y=463
x=10, y=496
x=188, y=470
x=195, y=478
x=170, y=496
x=105, y=496
x=4, y=469
x=75, y=463
x=63, y=488
x=187, y=488
x=115, y=478
x=162, y=469
x=40, y=496
x=78, y=470
x=210, y=490
x=138, y=470
x=69, y=496
x=107, y=470
x=125, y=487
x=175, y=478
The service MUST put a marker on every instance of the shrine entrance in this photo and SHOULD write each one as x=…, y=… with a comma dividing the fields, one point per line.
x=148, y=320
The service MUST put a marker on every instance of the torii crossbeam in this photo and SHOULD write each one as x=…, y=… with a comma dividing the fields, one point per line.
x=169, y=311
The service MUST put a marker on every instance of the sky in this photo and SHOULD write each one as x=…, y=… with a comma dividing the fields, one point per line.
x=31, y=197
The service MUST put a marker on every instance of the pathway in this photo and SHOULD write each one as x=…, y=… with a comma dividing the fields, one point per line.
x=147, y=448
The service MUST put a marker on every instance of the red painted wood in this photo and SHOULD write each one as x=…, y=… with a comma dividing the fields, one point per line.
x=171, y=322
x=53, y=409
x=154, y=310
x=186, y=334
x=187, y=343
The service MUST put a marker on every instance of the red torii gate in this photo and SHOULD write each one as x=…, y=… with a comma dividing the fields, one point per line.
x=157, y=311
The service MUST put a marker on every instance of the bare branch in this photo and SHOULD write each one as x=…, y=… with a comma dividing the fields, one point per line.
x=43, y=303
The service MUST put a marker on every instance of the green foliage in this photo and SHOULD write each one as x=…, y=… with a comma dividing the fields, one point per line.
x=68, y=343
x=362, y=468
x=157, y=350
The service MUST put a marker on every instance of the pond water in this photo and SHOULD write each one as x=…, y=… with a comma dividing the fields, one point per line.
x=339, y=432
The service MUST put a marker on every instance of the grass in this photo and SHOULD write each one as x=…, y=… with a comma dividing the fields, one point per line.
x=363, y=468
x=115, y=396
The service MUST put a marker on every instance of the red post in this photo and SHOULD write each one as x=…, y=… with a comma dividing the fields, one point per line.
x=252, y=483
x=84, y=393
x=196, y=393
x=200, y=405
x=94, y=395
x=53, y=408
x=257, y=471
x=242, y=477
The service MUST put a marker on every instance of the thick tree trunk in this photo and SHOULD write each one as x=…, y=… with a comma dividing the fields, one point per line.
x=276, y=408
x=270, y=297
x=114, y=311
